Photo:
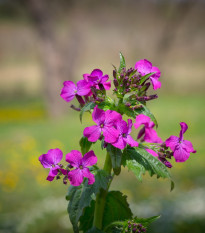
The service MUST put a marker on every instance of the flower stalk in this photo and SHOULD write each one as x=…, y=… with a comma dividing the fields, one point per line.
x=101, y=196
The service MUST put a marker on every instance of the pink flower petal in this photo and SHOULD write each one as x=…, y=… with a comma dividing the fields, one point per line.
x=107, y=85
x=120, y=143
x=89, y=175
x=184, y=128
x=141, y=119
x=157, y=72
x=104, y=78
x=151, y=136
x=97, y=72
x=122, y=127
x=98, y=115
x=131, y=141
x=110, y=134
x=172, y=142
x=155, y=83
x=143, y=67
x=111, y=117
x=85, y=76
x=187, y=145
x=75, y=177
x=74, y=158
x=89, y=159
x=83, y=88
x=129, y=121
x=52, y=157
x=69, y=91
x=52, y=173
x=92, y=133
x=180, y=154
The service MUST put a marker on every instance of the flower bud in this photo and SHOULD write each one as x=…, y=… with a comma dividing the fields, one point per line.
x=115, y=82
x=114, y=73
x=80, y=100
x=75, y=108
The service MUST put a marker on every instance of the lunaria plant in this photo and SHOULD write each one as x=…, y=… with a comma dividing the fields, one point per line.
x=92, y=207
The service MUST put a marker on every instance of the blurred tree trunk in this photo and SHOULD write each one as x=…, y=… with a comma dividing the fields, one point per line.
x=58, y=61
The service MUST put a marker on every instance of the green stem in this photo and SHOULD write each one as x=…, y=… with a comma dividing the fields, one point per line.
x=101, y=196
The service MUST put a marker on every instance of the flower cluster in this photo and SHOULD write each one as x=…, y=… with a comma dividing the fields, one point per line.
x=131, y=88
x=77, y=163
x=135, y=227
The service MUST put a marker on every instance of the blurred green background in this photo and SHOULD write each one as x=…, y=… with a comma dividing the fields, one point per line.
x=43, y=43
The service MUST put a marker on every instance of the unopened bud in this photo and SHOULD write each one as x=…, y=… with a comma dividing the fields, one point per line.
x=114, y=73
x=75, y=108
x=115, y=82
x=80, y=100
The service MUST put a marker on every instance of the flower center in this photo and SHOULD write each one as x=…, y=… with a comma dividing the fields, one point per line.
x=101, y=125
x=124, y=135
x=81, y=167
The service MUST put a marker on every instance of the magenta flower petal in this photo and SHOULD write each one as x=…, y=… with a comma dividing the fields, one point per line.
x=141, y=119
x=83, y=88
x=110, y=134
x=151, y=136
x=74, y=158
x=171, y=142
x=98, y=115
x=104, y=78
x=143, y=67
x=52, y=173
x=107, y=85
x=122, y=127
x=155, y=83
x=131, y=141
x=152, y=152
x=157, y=72
x=184, y=128
x=76, y=177
x=69, y=91
x=85, y=76
x=180, y=154
x=89, y=159
x=112, y=117
x=92, y=133
x=89, y=175
x=129, y=122
x=97, y=72
x=187, y=145
x=53, y=157
x=120, y=143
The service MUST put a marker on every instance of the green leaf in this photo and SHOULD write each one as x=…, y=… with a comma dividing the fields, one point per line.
x=95, y=230
x=139, y=161
x=116, y=208
x=146, y=221
x=143, y=110
x=122, y=63
x=81, y=196
x=86, y=108
x=107, y=104
x=85, y=145
x=116, y=157
x=144, y=78
x=86, y=220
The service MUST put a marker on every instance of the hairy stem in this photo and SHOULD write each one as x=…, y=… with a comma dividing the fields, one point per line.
x=101, y=196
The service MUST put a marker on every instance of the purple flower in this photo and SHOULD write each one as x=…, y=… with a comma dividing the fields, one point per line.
x=145, y=67
x=181, y=148
x=124, y=136
x=150, y=135
x=96, y=77
x=51, y=160
x=70, y=90
x=105, y=124
x=81, y=164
